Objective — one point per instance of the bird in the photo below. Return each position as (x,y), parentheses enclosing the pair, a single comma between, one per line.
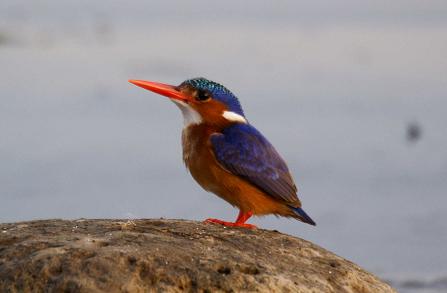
(227,155)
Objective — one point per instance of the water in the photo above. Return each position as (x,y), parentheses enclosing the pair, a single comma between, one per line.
(334,86)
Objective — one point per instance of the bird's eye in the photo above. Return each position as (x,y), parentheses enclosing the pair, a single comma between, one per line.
(203,96)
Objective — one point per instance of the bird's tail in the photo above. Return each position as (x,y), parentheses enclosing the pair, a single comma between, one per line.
(301,214)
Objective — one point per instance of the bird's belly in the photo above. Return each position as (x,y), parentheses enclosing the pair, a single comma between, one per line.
(205,169)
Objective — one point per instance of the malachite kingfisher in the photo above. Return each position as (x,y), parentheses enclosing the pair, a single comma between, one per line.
(227,155)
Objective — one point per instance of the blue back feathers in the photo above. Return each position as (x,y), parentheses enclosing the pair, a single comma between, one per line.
(218,92)
(245,152)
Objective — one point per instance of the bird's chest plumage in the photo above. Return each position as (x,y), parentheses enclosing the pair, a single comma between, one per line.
(198,156)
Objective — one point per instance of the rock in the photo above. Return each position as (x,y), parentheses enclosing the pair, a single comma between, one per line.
(168,255)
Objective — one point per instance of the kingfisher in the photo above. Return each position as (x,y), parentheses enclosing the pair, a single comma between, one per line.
(227,155)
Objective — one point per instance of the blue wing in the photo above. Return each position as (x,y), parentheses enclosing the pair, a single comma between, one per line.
(244,151)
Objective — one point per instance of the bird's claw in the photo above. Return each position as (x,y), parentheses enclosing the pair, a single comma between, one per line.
(230,224)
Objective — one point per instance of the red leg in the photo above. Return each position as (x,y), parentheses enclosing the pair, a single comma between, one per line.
(240,221)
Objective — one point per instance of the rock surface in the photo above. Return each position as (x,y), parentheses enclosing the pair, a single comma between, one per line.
(168,255)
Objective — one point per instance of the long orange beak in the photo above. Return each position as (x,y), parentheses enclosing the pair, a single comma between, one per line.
(167,90)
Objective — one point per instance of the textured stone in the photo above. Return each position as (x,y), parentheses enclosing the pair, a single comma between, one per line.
(168,255)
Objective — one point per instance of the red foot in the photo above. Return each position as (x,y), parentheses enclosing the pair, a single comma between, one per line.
(230,224)
(240,221)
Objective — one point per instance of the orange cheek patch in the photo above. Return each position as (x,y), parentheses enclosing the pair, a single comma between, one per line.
(211,112)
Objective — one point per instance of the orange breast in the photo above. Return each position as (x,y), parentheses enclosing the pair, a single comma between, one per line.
(200,160)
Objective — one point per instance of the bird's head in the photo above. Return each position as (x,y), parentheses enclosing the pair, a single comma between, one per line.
(201,101)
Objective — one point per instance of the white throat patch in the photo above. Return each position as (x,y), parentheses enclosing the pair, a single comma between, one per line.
(232,116)
(190,116)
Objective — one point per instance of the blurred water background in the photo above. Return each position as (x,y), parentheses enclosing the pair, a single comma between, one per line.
(352,93)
